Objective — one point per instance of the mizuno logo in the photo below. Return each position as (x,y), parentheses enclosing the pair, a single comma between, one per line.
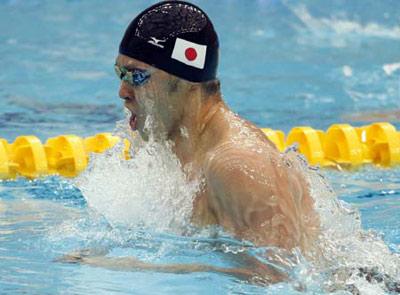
(156,42)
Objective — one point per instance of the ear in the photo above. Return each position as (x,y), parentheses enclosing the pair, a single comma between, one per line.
(187,86)
(194,87)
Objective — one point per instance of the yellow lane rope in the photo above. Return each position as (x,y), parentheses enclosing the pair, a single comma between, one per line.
(342,145)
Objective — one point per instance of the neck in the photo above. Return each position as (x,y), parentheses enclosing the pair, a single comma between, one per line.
(195,132)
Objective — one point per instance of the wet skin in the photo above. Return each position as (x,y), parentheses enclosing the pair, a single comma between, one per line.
(250,188)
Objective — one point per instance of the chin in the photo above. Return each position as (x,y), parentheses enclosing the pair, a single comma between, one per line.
(144,135)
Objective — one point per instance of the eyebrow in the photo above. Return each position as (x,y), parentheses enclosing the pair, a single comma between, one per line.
(130,68)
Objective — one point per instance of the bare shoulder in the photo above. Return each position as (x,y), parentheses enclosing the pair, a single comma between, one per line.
(230,161)
(259,192)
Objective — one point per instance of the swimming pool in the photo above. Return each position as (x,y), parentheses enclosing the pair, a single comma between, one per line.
(283,64)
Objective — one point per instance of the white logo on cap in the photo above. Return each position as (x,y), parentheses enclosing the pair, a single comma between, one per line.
(156,42)
(190,53)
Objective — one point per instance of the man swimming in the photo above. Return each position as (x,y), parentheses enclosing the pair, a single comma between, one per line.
(167,62)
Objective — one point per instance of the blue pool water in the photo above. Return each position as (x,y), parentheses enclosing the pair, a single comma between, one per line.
(282,64)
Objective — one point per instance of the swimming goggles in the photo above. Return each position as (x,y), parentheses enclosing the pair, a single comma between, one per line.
(135,77)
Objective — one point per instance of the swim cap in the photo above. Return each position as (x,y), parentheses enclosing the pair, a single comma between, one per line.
(174,36)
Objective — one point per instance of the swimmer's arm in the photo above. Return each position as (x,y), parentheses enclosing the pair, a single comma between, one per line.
(133,264)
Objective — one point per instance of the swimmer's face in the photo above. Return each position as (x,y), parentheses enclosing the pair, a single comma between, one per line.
(157,105)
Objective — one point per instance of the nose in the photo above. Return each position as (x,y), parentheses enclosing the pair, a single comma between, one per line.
(125,91)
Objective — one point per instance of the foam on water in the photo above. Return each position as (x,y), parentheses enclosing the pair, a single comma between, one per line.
(338,31)
(150,190)
(344,246)
(391,68)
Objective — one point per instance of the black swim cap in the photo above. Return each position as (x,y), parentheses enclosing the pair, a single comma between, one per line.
(174,36)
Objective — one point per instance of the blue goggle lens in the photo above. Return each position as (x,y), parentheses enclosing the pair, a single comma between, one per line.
(136,77)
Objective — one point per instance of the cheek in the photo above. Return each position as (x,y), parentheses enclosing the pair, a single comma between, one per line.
(173,86)
(146,97)
(172,112)
(158,99)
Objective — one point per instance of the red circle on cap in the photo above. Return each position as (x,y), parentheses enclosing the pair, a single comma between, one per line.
(191,53)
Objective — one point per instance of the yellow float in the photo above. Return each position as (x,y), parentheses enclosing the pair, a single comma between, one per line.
(341,145)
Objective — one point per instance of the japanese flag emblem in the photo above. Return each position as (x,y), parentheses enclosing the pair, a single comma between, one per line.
(190,53)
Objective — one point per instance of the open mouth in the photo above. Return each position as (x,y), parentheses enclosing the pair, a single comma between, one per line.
(133,121)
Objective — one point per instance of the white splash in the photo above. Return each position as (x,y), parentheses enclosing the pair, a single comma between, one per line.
(344,245)
(184,132)
(150,190)
(339,32)
(391,68)
(347,71)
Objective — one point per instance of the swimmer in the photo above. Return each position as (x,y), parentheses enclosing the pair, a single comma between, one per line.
(168,62)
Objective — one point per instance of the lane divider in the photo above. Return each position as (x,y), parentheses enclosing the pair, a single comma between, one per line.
(342,145)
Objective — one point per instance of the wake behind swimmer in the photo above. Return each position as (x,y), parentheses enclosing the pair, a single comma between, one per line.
(247,187)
